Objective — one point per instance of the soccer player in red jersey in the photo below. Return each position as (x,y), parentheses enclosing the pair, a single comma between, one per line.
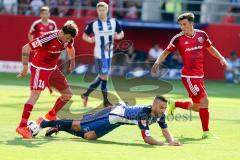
(190,43)
(44,70)
(41,26)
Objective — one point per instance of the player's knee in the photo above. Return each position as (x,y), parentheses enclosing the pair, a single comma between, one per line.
(103,77)
(204,102)
(90,136)
(67,97)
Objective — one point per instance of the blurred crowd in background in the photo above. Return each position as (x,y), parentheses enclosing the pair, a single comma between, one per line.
(146,10)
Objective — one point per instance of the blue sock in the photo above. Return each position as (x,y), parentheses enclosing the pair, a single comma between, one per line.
(104,89)
(62,125)
(93,86)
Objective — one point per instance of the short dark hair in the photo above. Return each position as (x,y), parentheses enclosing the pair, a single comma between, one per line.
(161,98)
(189,16)
(44,8)
(71,28)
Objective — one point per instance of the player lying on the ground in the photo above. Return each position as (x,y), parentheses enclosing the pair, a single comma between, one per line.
(93,126)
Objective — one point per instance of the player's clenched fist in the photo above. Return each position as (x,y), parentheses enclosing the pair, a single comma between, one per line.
(23,73)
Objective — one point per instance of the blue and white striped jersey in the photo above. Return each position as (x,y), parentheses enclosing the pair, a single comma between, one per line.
(104,36)
(139,115)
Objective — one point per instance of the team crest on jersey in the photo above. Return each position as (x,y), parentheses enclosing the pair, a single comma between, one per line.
(200,39)
(144,123)
(186,42)
(50,27)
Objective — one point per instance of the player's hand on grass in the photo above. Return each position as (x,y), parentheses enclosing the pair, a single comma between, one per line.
(175,143)
(23,73)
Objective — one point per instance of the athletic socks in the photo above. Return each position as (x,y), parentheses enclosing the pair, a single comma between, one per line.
(62,125)
(104,90)
(93,86)
(57,106)
(25,115)
(204,116)
(183,105)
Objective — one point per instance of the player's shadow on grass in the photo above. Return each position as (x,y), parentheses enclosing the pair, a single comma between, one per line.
(189,140)
(119,143)
(29,143)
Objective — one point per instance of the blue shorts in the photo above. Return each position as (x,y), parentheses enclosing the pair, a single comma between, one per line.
(103,66)
(98,122)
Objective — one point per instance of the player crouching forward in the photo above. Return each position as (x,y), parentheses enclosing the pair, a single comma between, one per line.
(94,126)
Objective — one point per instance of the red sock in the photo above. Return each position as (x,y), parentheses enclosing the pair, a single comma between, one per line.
(58,105)
(25,115)
(204,116)
(183,105)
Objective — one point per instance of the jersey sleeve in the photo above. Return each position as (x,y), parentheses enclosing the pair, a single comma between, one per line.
(118,27)
(144,127)
(32,28)
(40,41)
(172,46)
(35,44)
(207,43)
(89,29)
(162,122)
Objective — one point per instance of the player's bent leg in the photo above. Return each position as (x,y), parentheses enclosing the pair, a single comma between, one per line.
(104,89)
(90,135)
(90,89)
(28,106)
(66,95)
(204,116)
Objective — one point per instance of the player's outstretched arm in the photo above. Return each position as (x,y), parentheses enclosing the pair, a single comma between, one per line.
(218,55)
(159,61)
(150,140)
(71,56)
(87,38)
(25,57)
(169,137)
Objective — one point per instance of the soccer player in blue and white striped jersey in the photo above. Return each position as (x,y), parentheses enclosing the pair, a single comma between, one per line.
(96,125)
(104,31)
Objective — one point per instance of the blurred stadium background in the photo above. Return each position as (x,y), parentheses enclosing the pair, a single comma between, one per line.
(147,24)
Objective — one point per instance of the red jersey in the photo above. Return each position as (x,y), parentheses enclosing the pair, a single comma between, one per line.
(38,28)
(47,50)
(191,51)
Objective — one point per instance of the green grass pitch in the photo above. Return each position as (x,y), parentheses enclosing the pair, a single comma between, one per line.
(124,142)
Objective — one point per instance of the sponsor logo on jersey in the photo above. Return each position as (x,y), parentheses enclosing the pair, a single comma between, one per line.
(144,123)
(35,44)
(193,48)
(186,42)
(200,39)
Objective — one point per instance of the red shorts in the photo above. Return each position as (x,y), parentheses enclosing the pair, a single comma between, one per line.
(195,87)
(41,78)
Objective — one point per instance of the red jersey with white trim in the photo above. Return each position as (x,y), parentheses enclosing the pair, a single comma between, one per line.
(191,51)
(47,50)
(38,28)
